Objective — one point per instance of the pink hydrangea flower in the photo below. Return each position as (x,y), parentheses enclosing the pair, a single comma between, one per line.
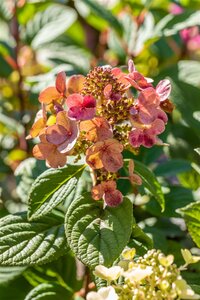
(147,107)
(81,107)
(147,135)
(108,191)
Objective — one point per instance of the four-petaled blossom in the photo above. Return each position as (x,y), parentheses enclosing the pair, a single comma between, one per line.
(54,94)
(108,191)
(188,257)
(138,273)
(81,107)
(105,154)
(63,134)
(184,290)
(105,293)
(108,274)
(147,135)
(97,129)
(49,152)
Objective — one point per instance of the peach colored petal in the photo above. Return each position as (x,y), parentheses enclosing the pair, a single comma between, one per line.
(42,151)
(48,95)
(97,192)
(63,120)
(56,159)
(97,129)
(94,161)
(75,84)
(37,127)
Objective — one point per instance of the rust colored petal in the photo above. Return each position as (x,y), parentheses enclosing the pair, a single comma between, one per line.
(112,162)
(97,129)
(61,82)
(56,159)
(114,146)
(113,198)
(56,134)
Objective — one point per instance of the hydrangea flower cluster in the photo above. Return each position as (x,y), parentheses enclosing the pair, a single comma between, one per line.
(153,276)
(101,115)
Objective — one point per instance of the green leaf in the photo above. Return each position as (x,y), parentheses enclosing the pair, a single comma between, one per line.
(140,240)
(48,291)
(172,167)
(16,289)
(197,150)
(150,181)
(181,92)
(28,243)
(97,235)
(177,197)
(171,24)
(8,274)
(191,214)
(27,171)
(51,188)
(49,24)
(105,14)
(189,72)
(196,288)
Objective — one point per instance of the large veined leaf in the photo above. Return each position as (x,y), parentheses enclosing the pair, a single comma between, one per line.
(191,214)
(181,92)
(49,24)
(98,235)
(150,181)
(172,167)
(10,273)
(28,243)
(177,197)
(48,291)
(197,150)
(140,240)
(171,24)
(25,174)
(189,72)
(51,188)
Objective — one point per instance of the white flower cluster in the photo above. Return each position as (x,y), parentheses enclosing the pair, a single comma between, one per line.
(151,277)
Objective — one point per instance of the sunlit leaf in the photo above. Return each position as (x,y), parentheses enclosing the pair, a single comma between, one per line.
(191,214)
(23,243)
(97,235)
(51,188)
